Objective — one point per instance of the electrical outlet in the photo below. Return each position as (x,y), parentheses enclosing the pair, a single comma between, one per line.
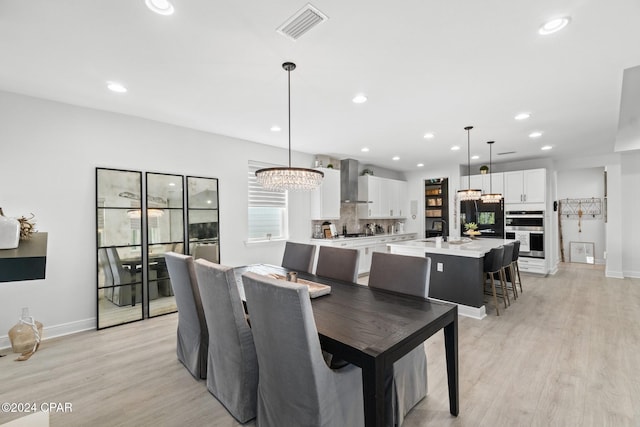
(440,267)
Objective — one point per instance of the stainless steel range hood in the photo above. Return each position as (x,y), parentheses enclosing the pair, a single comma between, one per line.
(349,181)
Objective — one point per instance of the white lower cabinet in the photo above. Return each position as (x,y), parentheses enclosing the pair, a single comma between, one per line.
(532,265)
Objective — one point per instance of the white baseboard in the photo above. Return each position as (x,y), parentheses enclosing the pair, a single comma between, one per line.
(614,274)
(57,330)
(478,313)
(632,274)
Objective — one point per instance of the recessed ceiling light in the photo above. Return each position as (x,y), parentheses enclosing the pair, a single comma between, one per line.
(420,165)
(161,7)
(359,99)
(476,157)
(364,149)
(455,148)
(546,147)
(522,116)
(395,158)
(116,87)
(429,135)
(209,201)
(275,129)
(554,25)
(535,134)
(172,184)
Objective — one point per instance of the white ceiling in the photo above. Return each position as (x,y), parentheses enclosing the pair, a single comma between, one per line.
(428,66)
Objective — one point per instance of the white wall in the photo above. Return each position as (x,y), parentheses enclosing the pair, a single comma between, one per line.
(48,155)
(579,184)
(630,182)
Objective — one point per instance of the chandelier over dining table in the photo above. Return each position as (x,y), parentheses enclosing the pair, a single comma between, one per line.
(289,178)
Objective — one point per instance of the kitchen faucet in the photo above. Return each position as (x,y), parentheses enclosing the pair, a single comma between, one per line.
(445,229)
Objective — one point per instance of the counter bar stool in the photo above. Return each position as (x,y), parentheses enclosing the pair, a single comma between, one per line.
(507,259)
(515,267)
(493,265)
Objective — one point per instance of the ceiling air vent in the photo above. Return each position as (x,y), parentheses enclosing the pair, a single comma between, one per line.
(506,152)
(301,22)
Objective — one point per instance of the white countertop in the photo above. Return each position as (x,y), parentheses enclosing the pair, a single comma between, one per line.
(476,248)
(363,238)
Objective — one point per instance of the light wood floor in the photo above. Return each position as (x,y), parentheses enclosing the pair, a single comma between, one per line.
(567,353)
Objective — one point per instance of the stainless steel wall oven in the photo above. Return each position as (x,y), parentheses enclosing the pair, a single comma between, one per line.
(528,227)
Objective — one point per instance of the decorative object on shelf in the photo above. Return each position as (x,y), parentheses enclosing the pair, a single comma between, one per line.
(27,227)
(330,166)
(9,232)
(491,197)
(484,169)
(471,229)
(366,171)
(25,336)
(469,193)
(281,178)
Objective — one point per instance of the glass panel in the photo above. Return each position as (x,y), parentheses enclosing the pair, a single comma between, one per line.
(119,251)
(167,227)
(202,213)
(120,227)
(165,232)
(203,225)
(202,193)
(119,189)
(112,309)
(164,191)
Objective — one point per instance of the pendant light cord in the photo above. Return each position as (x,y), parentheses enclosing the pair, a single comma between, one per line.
(289,102)
(469,157)
(490,166)
(468,129)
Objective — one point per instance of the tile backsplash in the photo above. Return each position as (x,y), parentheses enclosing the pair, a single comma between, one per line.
(349,218)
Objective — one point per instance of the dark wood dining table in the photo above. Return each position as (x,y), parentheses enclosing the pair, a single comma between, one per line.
(373,328)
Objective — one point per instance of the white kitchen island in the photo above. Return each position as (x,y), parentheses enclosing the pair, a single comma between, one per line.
(456,270)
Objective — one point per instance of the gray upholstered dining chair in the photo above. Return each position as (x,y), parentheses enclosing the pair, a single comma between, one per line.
(295,386)
(338,263)
(124,292)
(408,275)
(299,256)
(193,336)
(103,263)
(208,252)
(232,366)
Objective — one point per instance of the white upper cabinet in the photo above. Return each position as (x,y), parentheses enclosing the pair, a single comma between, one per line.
(388,198)
(399,199)
(369,190)
(527,186)
(325,200)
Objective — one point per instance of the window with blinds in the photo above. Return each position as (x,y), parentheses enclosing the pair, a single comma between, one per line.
(267,209)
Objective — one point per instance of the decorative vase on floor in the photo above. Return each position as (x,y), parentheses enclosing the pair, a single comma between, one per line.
(9,232)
